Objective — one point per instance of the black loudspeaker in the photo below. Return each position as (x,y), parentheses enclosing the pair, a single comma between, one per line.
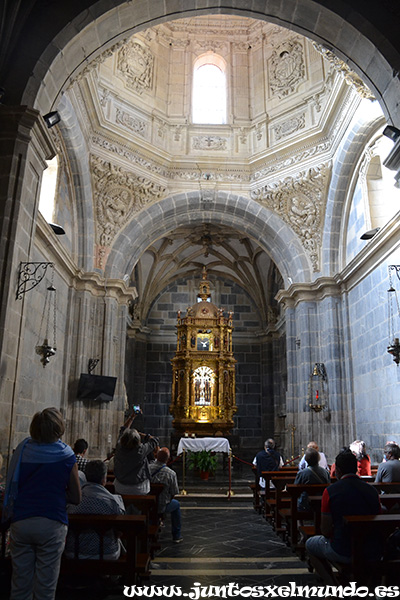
(99,388)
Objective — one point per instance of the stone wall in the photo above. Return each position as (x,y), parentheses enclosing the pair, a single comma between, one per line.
(255,389)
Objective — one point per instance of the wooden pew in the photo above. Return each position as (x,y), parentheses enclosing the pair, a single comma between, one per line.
(132,566)
(292,515)
(258,492)
(148,506)
(270,492)
(282,501)
(155,489)
(387,487)
(373,527)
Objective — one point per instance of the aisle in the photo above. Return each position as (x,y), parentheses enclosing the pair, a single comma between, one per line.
(226,544)
(223,543)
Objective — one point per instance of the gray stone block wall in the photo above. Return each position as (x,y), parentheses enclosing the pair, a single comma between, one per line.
(376,376)
(149,362)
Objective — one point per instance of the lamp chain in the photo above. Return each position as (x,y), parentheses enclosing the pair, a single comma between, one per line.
(46,313)
(391,310)
(55,319)
(42,319)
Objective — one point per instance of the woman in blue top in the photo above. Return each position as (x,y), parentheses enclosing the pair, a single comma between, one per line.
(42,476)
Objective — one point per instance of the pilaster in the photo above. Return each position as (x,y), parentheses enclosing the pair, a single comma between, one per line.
(24,146)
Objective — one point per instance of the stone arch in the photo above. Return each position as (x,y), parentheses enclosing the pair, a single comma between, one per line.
(358,34)
(347,157)
(254,220)
(78,156)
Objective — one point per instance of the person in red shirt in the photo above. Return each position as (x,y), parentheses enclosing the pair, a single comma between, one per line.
(350,495)
(363,460)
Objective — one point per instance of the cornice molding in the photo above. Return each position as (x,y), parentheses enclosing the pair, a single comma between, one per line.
(323,287)
(377,251)
(97,285)
(74,277)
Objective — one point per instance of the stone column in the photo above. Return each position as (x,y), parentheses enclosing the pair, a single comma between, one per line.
(24,146)
(99,331)
(316,334)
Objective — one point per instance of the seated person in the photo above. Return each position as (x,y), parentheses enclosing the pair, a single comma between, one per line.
(350,495)
(95,500)
(314,473)
(322,458)
(267,460)
(359,450)
(80,449)
(333,466)
(387,443)
(390,469)
(160,473)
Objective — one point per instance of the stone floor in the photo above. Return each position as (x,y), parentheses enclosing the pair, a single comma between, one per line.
(224,542)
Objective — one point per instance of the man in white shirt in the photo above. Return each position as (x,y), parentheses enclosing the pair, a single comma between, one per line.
(322,461)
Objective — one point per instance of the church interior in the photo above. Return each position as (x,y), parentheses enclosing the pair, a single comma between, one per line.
(273,199)
(200,221)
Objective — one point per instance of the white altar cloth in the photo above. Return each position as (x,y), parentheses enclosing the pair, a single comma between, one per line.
(206,443)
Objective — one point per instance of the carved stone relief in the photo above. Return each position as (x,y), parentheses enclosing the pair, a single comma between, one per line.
(341,67)
(289,127)
(237,175)
(118,195)
(286,68)
(96,62)
(130,122)
(104,96)
(300,202)
(136,64)
(243,135)
(207,199)
(210,46)
(326,145)
(209,142)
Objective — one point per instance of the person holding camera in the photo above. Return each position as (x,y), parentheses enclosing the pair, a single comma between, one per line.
(131,466)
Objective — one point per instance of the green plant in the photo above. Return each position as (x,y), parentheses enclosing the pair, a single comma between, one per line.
(203,460)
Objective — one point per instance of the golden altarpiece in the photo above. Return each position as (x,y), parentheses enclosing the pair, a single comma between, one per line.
(203,369)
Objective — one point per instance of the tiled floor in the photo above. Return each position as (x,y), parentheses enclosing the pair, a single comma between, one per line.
(225,542)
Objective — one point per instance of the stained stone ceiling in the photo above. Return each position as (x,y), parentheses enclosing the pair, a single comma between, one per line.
(287,103)
(227,255)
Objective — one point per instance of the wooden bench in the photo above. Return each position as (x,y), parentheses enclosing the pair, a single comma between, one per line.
(258,492)
(375,527)
(147,505)
(132,565)
(387,487)
(280,501)
(269,508)
(155,489)
(293,515)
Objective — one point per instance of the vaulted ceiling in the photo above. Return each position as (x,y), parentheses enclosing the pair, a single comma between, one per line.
(133,105)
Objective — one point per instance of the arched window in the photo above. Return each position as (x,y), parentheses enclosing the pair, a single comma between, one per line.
(209,90)
(383,196)
(375,199)
(48,190)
